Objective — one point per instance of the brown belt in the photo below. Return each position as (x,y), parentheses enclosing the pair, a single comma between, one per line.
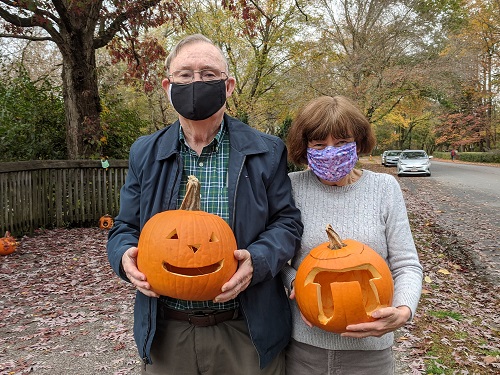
(199,318)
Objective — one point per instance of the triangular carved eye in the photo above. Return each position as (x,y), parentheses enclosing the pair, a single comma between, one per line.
(173,235)
(194,248)
(213,238)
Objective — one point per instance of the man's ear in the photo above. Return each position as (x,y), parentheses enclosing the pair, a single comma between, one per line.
(230,84)
(165,83)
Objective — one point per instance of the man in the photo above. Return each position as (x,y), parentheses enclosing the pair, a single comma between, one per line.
(244,180)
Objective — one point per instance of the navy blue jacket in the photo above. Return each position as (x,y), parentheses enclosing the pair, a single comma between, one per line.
(262,215)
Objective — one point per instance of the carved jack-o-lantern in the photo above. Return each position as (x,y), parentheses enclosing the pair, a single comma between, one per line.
(341,283)
(8,244)
(106,222)
(187,253)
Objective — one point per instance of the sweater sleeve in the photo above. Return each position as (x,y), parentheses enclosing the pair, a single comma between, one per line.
(402,254)
(288,274)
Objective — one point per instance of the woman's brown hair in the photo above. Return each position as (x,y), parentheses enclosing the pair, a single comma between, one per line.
(336,116)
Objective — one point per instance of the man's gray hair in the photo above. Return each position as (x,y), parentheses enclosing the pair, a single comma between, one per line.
(190,39)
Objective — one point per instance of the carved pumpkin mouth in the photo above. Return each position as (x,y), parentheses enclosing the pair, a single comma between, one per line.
(330,283)
(319,275)
(198,271)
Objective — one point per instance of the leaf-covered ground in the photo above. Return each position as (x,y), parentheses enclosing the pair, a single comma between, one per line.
(63,311)
(457,326)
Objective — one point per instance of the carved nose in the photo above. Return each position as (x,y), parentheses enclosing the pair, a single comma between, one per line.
(194,248)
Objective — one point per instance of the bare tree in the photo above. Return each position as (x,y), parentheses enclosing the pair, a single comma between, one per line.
(369,50)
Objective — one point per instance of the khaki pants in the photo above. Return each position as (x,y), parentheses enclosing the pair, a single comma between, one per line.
(303,359)
(180,348)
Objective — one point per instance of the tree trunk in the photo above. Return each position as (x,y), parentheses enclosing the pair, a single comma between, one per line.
(81,99)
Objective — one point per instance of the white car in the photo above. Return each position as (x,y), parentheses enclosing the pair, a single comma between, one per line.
(414,162)
(391,158)
(382,157)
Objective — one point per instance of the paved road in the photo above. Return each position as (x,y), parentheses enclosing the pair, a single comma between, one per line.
(482,182)
(466,201)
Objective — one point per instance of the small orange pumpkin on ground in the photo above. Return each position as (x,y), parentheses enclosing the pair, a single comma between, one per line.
(187,253)
(8,244)
(106,222)
(341,283)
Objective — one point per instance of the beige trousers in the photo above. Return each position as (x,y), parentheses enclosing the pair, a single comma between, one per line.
(180,348)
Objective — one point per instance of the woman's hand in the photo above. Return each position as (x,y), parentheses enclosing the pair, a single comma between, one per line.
(388,319)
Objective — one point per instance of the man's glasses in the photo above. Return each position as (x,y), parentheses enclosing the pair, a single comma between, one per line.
(186,76)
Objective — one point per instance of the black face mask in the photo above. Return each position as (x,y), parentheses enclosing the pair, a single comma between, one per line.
(198,100)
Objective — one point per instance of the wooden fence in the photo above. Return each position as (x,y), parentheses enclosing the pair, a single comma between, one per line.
(56,193)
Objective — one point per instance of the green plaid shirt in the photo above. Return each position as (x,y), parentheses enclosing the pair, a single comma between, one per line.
(211,169)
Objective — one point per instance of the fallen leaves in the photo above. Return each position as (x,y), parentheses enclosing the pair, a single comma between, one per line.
(64,310)
(444,271)
(456,329)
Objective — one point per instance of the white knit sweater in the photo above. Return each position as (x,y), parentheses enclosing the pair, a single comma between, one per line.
(372,211)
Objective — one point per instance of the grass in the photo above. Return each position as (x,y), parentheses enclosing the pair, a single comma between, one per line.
(446,314)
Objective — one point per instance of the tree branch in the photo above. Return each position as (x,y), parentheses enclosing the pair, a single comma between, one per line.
(104,38)
(300,9)
(27,37)
(16,20)
(261,10)
(62,11)
(40,18)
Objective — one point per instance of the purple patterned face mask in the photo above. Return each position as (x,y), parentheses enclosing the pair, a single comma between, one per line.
(332,163)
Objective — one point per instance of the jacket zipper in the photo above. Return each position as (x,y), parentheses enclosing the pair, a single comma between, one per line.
(145,358)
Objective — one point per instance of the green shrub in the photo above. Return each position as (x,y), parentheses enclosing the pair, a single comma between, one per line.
(31,118)
(476,157)
(480,157)
(121,127)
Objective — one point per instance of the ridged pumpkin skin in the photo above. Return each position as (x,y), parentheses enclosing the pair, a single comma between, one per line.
(8,244)
(187,254)
(338,287)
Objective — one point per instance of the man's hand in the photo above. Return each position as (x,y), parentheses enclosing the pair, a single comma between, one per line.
(388,319)
(136,277)
(240,280)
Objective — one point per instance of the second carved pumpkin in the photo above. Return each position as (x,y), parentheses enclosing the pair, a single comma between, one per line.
(341,283)
(187,253)
(106,222)
(8,244)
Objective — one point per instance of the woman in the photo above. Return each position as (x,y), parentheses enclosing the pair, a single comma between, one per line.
(327,136)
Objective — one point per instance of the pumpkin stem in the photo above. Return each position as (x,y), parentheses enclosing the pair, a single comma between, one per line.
(335,240)
(191,201)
